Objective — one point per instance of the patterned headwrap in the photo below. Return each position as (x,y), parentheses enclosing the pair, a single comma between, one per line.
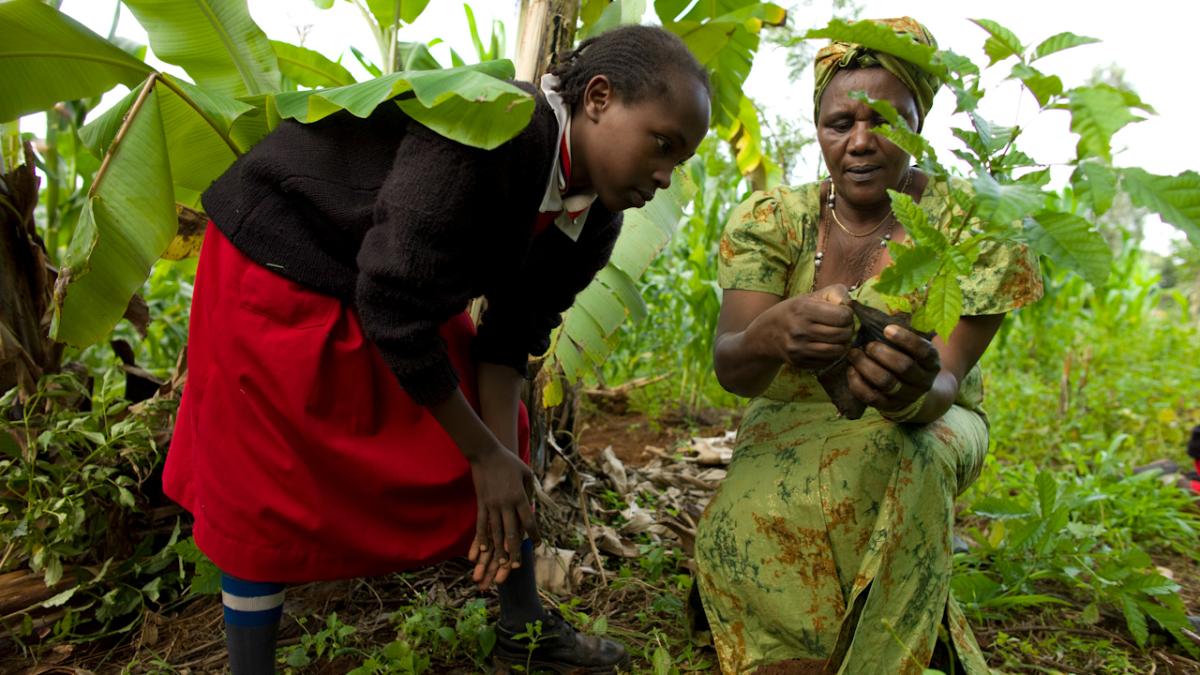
(839,55)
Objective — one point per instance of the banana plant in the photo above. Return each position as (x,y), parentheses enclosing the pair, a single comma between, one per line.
(170,137)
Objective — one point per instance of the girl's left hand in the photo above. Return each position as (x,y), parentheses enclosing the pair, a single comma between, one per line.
(890,376)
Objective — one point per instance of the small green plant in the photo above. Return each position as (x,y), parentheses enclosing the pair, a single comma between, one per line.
(330,642)
(532,633)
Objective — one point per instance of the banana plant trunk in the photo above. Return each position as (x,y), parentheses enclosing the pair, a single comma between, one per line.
(25,283)
(546,28)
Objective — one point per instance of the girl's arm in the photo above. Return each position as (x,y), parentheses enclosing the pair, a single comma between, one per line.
(503,485)
(499,393)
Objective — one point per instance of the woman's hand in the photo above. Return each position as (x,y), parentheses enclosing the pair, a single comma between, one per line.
(503,490)
(891,376)
(810,331)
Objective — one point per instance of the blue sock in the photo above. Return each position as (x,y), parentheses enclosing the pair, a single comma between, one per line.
(252,613)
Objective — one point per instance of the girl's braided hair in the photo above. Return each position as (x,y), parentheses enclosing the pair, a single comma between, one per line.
(639,61)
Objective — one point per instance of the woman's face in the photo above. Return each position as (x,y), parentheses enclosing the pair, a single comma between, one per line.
(862,164)
(627,151)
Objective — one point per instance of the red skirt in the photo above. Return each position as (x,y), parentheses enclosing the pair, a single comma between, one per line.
(296,449)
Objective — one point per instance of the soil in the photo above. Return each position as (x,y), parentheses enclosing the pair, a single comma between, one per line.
(634,437)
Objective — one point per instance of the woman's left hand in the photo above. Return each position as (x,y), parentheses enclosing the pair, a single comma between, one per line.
(890,376)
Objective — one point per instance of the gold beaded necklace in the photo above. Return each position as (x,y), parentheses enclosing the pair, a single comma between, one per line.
(883,240)
(833,207)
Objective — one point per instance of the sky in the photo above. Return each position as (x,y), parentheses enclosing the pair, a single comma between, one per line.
(1149,39)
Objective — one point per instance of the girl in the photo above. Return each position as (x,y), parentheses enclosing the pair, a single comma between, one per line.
(341,417)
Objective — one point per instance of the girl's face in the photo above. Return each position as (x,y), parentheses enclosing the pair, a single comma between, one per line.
(627,151)
(863,165)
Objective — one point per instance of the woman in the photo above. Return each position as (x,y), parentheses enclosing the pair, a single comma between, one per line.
(827,547)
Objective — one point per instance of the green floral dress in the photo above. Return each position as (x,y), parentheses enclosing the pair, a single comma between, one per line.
(827,546)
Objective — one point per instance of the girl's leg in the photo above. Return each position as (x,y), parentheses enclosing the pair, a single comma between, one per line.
(559,647)
(519,601)
(252,613)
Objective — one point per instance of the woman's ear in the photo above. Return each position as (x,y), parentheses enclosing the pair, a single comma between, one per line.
(597,96)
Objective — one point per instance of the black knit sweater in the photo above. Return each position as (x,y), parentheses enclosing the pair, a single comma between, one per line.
(407,227)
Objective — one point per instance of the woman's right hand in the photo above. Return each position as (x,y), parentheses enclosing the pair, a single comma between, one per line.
(503,490)
(810,331)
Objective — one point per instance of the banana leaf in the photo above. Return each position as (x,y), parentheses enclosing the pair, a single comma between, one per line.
(215,41)
(127,223)
(469,104)
(585,338)
(47,57)
(162,145)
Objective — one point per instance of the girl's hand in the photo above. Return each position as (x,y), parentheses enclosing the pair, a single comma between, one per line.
(810,331)
(891,375)
(503,489)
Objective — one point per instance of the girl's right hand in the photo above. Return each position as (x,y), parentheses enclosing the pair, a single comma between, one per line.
(503,490)
(810,331)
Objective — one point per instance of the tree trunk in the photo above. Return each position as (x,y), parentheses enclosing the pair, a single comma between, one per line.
(25,283)
(547,28)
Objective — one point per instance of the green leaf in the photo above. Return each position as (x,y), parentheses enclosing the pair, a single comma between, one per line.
(1175,198)
(604,308)
(999,508)
(1072,242)
(193,119)
(1059,42)
(61,599)
(471,105)
(600,309)
(1002,43)
(726,50)
(943,305)
(473,108)
(1135,620)
(916,222)
(617,13)
(882,38)
(1096,184)
(1005,203)
(1098,112)
(911,268)
(323,4)
(1042,86)
(897,130)
(125,226)
(215,41)
(590,11)
(308,68)
(386,12)
(47,57)
(411,9)
(1047,492)
(567,356)
(625,289)
(416,56)
(992,137)
(1151,584)
(644,234)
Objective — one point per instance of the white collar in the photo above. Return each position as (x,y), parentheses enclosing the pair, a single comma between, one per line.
(553,200)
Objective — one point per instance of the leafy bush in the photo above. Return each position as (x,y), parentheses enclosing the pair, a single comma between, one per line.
(79,469)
